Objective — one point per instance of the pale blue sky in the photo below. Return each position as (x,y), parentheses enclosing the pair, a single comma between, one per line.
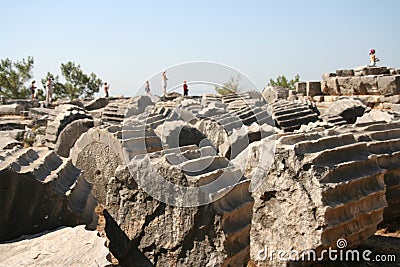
(127,42)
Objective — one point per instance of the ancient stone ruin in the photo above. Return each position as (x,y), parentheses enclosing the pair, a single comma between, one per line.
(284,170)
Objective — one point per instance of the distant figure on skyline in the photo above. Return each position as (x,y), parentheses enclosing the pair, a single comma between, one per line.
(106,87)
(185,89)
(49,91)
(147,88)
(33,88)
(372,58)
(164,81)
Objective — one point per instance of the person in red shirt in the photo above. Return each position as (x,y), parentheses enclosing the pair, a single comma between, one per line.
(185,88)
(106,87)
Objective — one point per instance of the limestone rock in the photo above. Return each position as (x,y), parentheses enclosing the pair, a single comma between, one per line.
(41,192)
(368,70)
(330,189)
(375,116)
(289,116)
(344,73)
(273,93)
(349,109)
(97,103)
(70,134)
(389,85)
(313,88)
(11,109)
(7,142)
(178,133)
(63,115)
(61,247)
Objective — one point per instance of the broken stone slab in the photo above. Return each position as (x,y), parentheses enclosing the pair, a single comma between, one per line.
(313,88)
(179,133)
(70,134)
(213,234)
(241,138)
(344,73)
(121,246)
(97,103)
(331,189)
(351,86)
(98,152)
(64,246)
(211,111)
(375,115)
(301,87)
(42,191)
(273,93)
(138,105)
(7,142)
(349,109)
(368,70)
(11,109)
(330,86)
(389,85)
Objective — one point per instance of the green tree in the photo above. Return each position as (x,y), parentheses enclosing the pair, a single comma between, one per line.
(230,87)
(282,81)
(77,83)
(13,77)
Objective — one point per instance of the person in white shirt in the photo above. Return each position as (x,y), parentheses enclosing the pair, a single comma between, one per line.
(49,91)
(147,88)
(164,79)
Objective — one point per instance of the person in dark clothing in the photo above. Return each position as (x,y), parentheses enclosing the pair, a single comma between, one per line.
(33,88)
(185,88)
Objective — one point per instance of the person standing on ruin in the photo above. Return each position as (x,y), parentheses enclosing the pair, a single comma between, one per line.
(164,80)
(49,92)
(33,88)
(106,88)
(185,89)
(372,58)
(147,88)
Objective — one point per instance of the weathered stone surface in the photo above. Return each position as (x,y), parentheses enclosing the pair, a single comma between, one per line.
(62,247)
(273,93)
(367,70)
(344,73)
(375,116)
(70,134)
(11,109)
(313,88)
(301,87)
(41,192)
(351,86)
(97,103)
(349,109)
(178,133)
(289,116)
(98,152)
(330,86)
(63,115)
(241,138)
(330,189)
(121,246)
(389,85)
(7,142)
